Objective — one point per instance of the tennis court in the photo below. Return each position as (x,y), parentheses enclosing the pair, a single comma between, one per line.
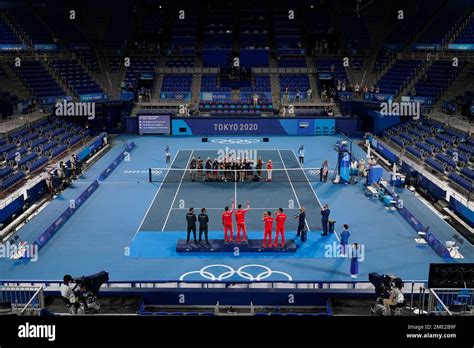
(132,225)
(289,189)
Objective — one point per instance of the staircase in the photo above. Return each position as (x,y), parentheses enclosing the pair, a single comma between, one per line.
(419,74)
(458,28)
(155,97)
(235,95)
(195,88)
(12,83)
(275,86)
(58,80)
(312,79)
(432,18)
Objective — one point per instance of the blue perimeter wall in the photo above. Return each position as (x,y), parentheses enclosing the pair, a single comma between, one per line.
(464,212)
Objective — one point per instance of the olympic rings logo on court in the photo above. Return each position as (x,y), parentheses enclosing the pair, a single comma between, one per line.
(314,172)
(241,272)
(156,172)
(235,141)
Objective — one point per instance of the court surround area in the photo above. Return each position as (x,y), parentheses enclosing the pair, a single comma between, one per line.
(131,226)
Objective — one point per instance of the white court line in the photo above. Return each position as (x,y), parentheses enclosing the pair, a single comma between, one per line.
(222,208)
(176,194)
(302,169)
(156,194)
(112,182)
(292,187)
(312,188)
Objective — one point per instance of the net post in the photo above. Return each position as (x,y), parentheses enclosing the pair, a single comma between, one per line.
(149,174)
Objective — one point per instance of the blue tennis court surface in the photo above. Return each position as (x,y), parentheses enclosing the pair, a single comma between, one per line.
(130,226)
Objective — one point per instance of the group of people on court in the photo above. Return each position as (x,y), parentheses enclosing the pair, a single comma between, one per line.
(228,225)
(230,169)
(277,220)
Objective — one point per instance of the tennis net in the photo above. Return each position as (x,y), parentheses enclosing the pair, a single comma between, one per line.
(252,175)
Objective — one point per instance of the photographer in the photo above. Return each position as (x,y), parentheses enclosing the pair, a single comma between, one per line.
(396,296)
(67,293)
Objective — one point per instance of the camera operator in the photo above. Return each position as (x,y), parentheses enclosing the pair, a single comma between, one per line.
(75,166)
(67,293)
(396,295)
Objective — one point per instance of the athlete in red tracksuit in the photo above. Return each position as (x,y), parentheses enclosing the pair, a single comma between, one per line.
(280,227)
(268,227)
(240,219)
(227,222)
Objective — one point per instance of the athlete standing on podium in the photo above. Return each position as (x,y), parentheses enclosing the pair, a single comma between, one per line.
(240,219)
(267,231)
(280,218)
(227,222)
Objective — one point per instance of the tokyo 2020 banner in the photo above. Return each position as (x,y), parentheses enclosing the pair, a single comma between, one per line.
(262,126)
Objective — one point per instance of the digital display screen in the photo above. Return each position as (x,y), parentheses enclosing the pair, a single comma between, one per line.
(154,124)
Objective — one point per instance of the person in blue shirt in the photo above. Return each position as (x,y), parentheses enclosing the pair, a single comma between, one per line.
(345,234)
(325,218)
(354,251)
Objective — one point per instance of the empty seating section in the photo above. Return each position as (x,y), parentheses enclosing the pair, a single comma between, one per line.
(357,63)
(292,62)
(355,31)
(28,150)
(415,17)
(437,79)
(7,36)
(332,65)
(448,152)
(253,29)
(176,86)
(466,36)
(117,32)
(233,108)
(10,100)
(183,33)
(440,29)
(210,83)
(114,63)
(288,33)
(218,29)
(138,65)
(89,58)
(260,86)
(398,76)
(32,28)
(382,59)
(66,29)
(75,77)
(295,83)
(151,23)
(179,61)
(38,80)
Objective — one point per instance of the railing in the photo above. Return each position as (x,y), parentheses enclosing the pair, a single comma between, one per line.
(25,300)
(449,302)
(52,285)
(16,121)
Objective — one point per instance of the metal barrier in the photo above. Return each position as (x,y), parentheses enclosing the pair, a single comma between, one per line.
(449,302)
(51,285)
(25,300)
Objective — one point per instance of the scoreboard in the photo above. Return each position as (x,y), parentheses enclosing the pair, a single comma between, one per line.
(154,124)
